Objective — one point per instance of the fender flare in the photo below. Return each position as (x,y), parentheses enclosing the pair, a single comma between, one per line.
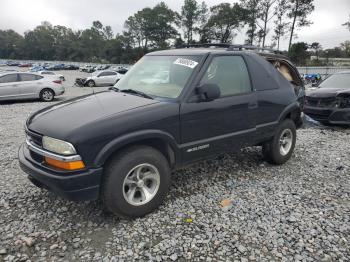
(290,108)
(133,137)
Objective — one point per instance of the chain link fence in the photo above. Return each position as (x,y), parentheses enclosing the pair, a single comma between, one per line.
(324,71)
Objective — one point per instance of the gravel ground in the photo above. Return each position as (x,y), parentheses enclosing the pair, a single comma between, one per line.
(236,207)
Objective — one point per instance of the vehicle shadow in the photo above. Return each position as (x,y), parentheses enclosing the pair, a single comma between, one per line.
(187,181)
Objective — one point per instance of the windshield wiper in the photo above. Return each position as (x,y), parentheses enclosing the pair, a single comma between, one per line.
(114,88)
(136,92)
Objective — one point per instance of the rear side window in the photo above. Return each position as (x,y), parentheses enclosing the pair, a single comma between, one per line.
(9,78)
(230,74)
(47,73)
(107,74)
(28,77)
(38,77)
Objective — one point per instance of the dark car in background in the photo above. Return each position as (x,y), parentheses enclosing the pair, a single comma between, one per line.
(329,103)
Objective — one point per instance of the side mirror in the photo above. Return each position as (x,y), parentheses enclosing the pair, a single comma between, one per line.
(208,92)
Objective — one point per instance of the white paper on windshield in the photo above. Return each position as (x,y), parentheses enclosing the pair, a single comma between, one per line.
(186,62)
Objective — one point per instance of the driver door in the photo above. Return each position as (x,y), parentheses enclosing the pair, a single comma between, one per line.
(9,87)
(227,123)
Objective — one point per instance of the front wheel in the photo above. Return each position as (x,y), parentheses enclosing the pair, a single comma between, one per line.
(280,148)
(135,181)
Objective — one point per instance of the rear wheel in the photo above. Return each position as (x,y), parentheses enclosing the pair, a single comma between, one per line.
(47,95)
(91,83)
(135,182)
(280,148)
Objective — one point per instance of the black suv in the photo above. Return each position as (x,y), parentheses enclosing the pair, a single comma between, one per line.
(172,108)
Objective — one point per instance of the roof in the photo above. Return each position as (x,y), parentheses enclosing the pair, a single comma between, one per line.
(202,49)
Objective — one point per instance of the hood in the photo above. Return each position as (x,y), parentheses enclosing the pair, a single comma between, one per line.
(60,119)
(326,92)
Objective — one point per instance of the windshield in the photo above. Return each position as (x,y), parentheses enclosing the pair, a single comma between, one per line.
(160,76)
(337,81)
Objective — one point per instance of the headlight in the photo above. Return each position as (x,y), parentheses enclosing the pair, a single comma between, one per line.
(344,102)
(58,146)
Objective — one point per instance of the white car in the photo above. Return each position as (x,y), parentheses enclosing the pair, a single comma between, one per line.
(53,74)
(103,78)
(21,85)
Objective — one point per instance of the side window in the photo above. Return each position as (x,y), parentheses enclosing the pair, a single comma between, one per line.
(9,78)
(38,77)
(230,74)
(103,74)
(27,77)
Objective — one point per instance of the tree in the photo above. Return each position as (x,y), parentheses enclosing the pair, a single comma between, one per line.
(251,15)
(281,25)
(223,21)
(190,16)
(11,44)
(316,47)
(346,48)
(203,30)
(347,24)
(298,12)
(266,14)
(152,26)
(298,53)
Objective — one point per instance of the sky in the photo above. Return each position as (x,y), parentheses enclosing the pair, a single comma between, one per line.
(23,15)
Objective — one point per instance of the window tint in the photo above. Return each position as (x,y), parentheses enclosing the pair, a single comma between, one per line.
(107,74)
(8,78)
(230,74)
(27,77)
(38,77)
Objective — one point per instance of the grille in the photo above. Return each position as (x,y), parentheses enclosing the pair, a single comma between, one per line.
(321,102)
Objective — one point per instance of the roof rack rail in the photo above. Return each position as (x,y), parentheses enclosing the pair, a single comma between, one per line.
(252,47)
(206,45)
(232,47)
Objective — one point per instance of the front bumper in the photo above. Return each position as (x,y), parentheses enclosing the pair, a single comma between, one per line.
(77,186)
(339,116)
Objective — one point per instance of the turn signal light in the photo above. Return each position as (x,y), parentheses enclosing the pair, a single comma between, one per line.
(75,165)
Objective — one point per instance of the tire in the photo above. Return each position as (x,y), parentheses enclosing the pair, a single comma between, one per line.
(90,83)
(280,148)
(47,95)
(123,194)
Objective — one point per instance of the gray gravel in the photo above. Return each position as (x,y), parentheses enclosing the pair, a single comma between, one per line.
(299,211)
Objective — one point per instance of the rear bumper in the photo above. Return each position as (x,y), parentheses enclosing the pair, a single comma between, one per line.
(77,186)
(330,115)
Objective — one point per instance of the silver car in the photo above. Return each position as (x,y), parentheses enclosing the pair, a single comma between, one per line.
(53,74)
(18,85)
(103,78)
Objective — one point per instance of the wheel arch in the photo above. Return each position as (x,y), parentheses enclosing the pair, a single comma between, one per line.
(162,141)
(293,112)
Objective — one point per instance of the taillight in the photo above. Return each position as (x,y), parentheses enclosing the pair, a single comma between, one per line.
(57,81)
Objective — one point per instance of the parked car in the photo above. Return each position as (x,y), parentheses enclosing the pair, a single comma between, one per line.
(122,71)
(121,145)
(25,65)
(88,69)
(37,68)
(59,76)
(21,85)
(71,67)
(330,102)
(56,67)
(11,63)
(103,78)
